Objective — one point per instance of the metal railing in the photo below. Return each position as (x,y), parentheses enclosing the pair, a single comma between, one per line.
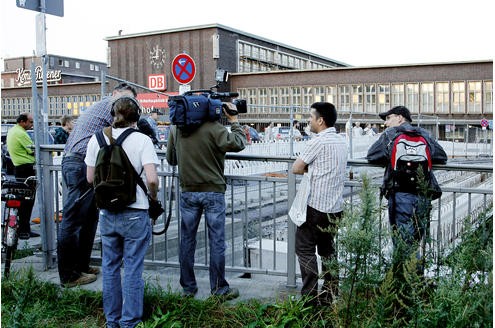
(259,235)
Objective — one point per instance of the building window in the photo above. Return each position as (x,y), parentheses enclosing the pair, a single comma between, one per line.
(332,95)
(263,100)
(273,94)
(412,97)
(357,98)
(427,98)
(474,97)
(383,97)
(370,98)
(91,67)
(252,99)
(307,97)
(319,94)
(295,97)
(345,98)
(66,63)
(284,99)
(60,62)
(442,97)
(397,95)
(78,65)
(488,97)
(458,98)
(97,68)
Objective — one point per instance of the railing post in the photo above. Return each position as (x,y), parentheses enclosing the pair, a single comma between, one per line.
(48,240)
(291,231)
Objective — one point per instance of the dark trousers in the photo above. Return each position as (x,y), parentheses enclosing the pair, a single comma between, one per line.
(22,172)
(79,221)
(309,238)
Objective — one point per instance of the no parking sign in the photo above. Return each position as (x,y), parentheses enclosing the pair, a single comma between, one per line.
(183,68)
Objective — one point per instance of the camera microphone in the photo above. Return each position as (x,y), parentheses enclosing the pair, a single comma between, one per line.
(218,95)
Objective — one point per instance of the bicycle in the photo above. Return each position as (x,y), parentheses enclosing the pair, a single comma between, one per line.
(13,193)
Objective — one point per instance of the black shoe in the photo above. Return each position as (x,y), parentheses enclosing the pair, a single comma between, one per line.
(27,235)
(229,295)
(188,293)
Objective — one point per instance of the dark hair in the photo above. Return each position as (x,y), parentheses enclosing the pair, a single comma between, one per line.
(124,86)
(126,111)
(65,119)
(327,111)
(23,117)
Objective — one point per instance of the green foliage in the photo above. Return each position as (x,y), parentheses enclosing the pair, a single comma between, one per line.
(373,293)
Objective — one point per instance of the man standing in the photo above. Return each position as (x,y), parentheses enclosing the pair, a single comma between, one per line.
(125,233)
(408,210)
(200,155)
(20,147)
(325,156)
(80,216)
(153,119)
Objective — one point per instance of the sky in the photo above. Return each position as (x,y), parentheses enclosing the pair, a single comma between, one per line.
(356,32)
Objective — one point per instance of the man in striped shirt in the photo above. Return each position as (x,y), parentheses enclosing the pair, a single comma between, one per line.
(80,217)
(325,156)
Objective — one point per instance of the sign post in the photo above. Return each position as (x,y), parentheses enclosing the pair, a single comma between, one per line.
(54,7)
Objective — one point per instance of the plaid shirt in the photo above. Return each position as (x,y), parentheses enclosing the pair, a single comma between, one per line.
(326,154)
(95,118)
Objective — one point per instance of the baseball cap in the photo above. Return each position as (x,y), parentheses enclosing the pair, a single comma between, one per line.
(397,110)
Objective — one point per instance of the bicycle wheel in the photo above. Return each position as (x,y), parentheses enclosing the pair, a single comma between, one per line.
(9,257)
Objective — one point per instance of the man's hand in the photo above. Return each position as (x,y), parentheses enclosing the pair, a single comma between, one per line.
(231,106)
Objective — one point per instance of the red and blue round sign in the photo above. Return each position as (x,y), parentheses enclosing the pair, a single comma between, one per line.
(183,68)
(484,123)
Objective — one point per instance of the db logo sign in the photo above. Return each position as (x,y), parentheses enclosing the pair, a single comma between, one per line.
(157,82)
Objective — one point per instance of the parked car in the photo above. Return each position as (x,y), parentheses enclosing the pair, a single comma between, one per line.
(281,133)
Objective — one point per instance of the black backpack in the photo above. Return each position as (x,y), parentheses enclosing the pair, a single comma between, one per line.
(115,178)
(410,154)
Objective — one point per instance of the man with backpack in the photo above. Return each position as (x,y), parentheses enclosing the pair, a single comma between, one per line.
(409,184)
(80,216)
(118,159)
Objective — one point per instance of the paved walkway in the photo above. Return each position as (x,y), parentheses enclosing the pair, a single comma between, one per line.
(259,286)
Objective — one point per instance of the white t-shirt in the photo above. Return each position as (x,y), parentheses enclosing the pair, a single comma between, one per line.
(139,150)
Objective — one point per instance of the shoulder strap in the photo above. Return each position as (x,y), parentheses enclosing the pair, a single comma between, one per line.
(119,142)
(101,139)
(124,135)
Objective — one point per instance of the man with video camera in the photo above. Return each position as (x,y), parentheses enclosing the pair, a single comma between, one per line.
(200,156)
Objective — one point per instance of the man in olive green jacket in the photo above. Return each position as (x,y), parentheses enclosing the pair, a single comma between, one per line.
(200,156)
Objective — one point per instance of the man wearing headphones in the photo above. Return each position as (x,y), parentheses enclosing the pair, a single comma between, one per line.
(80,216)
(125,233)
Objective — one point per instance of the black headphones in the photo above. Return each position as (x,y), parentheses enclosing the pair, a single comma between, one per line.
(137,113)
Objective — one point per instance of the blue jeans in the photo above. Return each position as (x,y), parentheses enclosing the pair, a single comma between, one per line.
(192,205)
(77,230)
(409,215)
(125,238)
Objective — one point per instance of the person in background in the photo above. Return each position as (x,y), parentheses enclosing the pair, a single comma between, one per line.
(247,133)
(80,216)
(125,234)
(62,133)
(325,156)
(269,132)
(357,130)
(153,119)
(21,151)
(200,156)
(296,134)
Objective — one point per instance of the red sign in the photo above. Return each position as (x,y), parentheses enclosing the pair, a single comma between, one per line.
(183,68)
(153,100)
(484,123)
(157,82)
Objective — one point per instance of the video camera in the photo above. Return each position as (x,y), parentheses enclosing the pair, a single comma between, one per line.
(198,106)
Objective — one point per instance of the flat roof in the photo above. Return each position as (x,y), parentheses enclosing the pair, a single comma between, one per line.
(219,26)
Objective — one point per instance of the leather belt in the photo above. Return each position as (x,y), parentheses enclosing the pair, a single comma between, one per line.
(76,155)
